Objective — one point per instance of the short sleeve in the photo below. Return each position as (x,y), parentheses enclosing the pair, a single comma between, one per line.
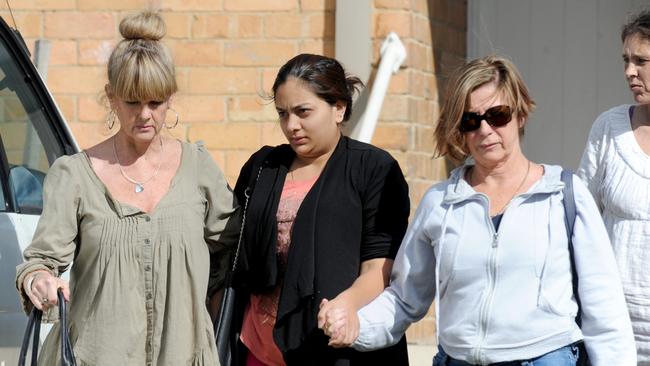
(54,243)
(386,208)
(222,220)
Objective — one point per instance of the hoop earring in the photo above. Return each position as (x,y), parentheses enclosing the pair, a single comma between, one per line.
(110,119)
(175,123)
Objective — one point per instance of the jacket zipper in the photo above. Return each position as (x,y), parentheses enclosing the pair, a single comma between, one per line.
(485,307)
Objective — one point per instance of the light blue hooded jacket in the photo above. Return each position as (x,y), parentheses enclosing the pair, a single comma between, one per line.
(504,295)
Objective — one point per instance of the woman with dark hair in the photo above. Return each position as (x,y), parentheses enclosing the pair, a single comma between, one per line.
(325,218)
(616,167)
(491,241)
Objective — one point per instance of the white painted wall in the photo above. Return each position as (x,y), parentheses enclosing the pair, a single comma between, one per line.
(569,52)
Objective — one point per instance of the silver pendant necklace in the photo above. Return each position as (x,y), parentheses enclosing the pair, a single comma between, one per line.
(139,186)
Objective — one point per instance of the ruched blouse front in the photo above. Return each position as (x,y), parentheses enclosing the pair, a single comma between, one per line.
(139,280)
(617,172)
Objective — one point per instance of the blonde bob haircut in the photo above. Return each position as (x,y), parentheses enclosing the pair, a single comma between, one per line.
(450,141)
(140,67)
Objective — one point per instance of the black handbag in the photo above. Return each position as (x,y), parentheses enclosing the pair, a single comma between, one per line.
(34,330)
(223,325)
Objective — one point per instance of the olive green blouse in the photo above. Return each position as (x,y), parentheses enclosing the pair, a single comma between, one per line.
(139,281)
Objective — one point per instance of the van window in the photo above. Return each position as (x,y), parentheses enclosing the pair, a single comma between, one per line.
(28,142)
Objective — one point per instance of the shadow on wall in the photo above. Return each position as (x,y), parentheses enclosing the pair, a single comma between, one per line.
(448,27)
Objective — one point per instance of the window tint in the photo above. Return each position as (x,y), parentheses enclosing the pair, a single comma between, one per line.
(28,141)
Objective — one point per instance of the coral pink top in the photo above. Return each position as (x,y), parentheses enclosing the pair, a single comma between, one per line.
(259,318)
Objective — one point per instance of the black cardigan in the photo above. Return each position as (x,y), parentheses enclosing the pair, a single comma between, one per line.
(357,210)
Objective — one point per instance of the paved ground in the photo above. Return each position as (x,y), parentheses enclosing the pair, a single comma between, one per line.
(421,354)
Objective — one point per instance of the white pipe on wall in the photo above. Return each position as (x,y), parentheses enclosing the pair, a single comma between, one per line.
(393,53)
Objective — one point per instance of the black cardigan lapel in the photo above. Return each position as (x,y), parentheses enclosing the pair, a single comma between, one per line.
(298,310)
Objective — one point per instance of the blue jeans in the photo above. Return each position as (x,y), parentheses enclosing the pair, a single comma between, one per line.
(565,356)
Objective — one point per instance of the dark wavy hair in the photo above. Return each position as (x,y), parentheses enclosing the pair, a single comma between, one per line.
(640,24)
(325,77)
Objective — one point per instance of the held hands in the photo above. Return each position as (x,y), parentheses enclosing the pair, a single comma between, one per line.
(41,287)
(339,321)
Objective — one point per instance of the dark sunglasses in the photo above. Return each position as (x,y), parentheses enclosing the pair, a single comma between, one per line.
(496,116)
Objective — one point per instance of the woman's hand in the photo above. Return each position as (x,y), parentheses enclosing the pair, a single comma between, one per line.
(41,287)
(338,320)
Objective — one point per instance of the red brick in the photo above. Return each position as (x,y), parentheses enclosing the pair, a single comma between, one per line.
(210,26)
(272,134)
(391,136)
(268,78)
(183,79)
(63,52)
(321,25)
(90,109)
(260,5)
(247,26)
(245,108)
(317,5)
(235,159)
(197,108)
(76,79)
(95,52)
(89,134)
(29,24)
(197,53)
(227,135)
(178,24)
(111,5)
(422,6)
(190,5)
(66,104)
(399,82)
(258,53)
(219,157)
(223,81)
(283,25)
(398,22)
(424,139)
(395,108)
(393,4)
(422,29)
(67,24)
(317,46)
(43,4)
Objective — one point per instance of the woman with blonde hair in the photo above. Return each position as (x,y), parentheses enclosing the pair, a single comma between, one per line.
(139,213)
(492,242)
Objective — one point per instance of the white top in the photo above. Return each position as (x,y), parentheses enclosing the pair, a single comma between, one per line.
(505,294)
(617,172)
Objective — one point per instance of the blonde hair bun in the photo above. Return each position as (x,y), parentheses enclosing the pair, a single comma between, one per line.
(146,25)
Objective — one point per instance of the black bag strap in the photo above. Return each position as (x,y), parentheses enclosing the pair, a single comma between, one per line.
(569,220)
(247,194)
(34,329)
(259,163)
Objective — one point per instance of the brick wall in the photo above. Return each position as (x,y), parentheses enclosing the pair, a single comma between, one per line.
(433,32)
(227,53)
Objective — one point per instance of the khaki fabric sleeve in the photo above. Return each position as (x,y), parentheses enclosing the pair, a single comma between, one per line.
(222,218)
(54,243)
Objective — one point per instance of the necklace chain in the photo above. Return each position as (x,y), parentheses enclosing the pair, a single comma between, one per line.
(139,186)
(516,190)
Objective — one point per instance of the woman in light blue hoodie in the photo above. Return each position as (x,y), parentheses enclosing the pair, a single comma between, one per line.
(492,244)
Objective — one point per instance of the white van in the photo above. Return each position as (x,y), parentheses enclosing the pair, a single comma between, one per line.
(33,133)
